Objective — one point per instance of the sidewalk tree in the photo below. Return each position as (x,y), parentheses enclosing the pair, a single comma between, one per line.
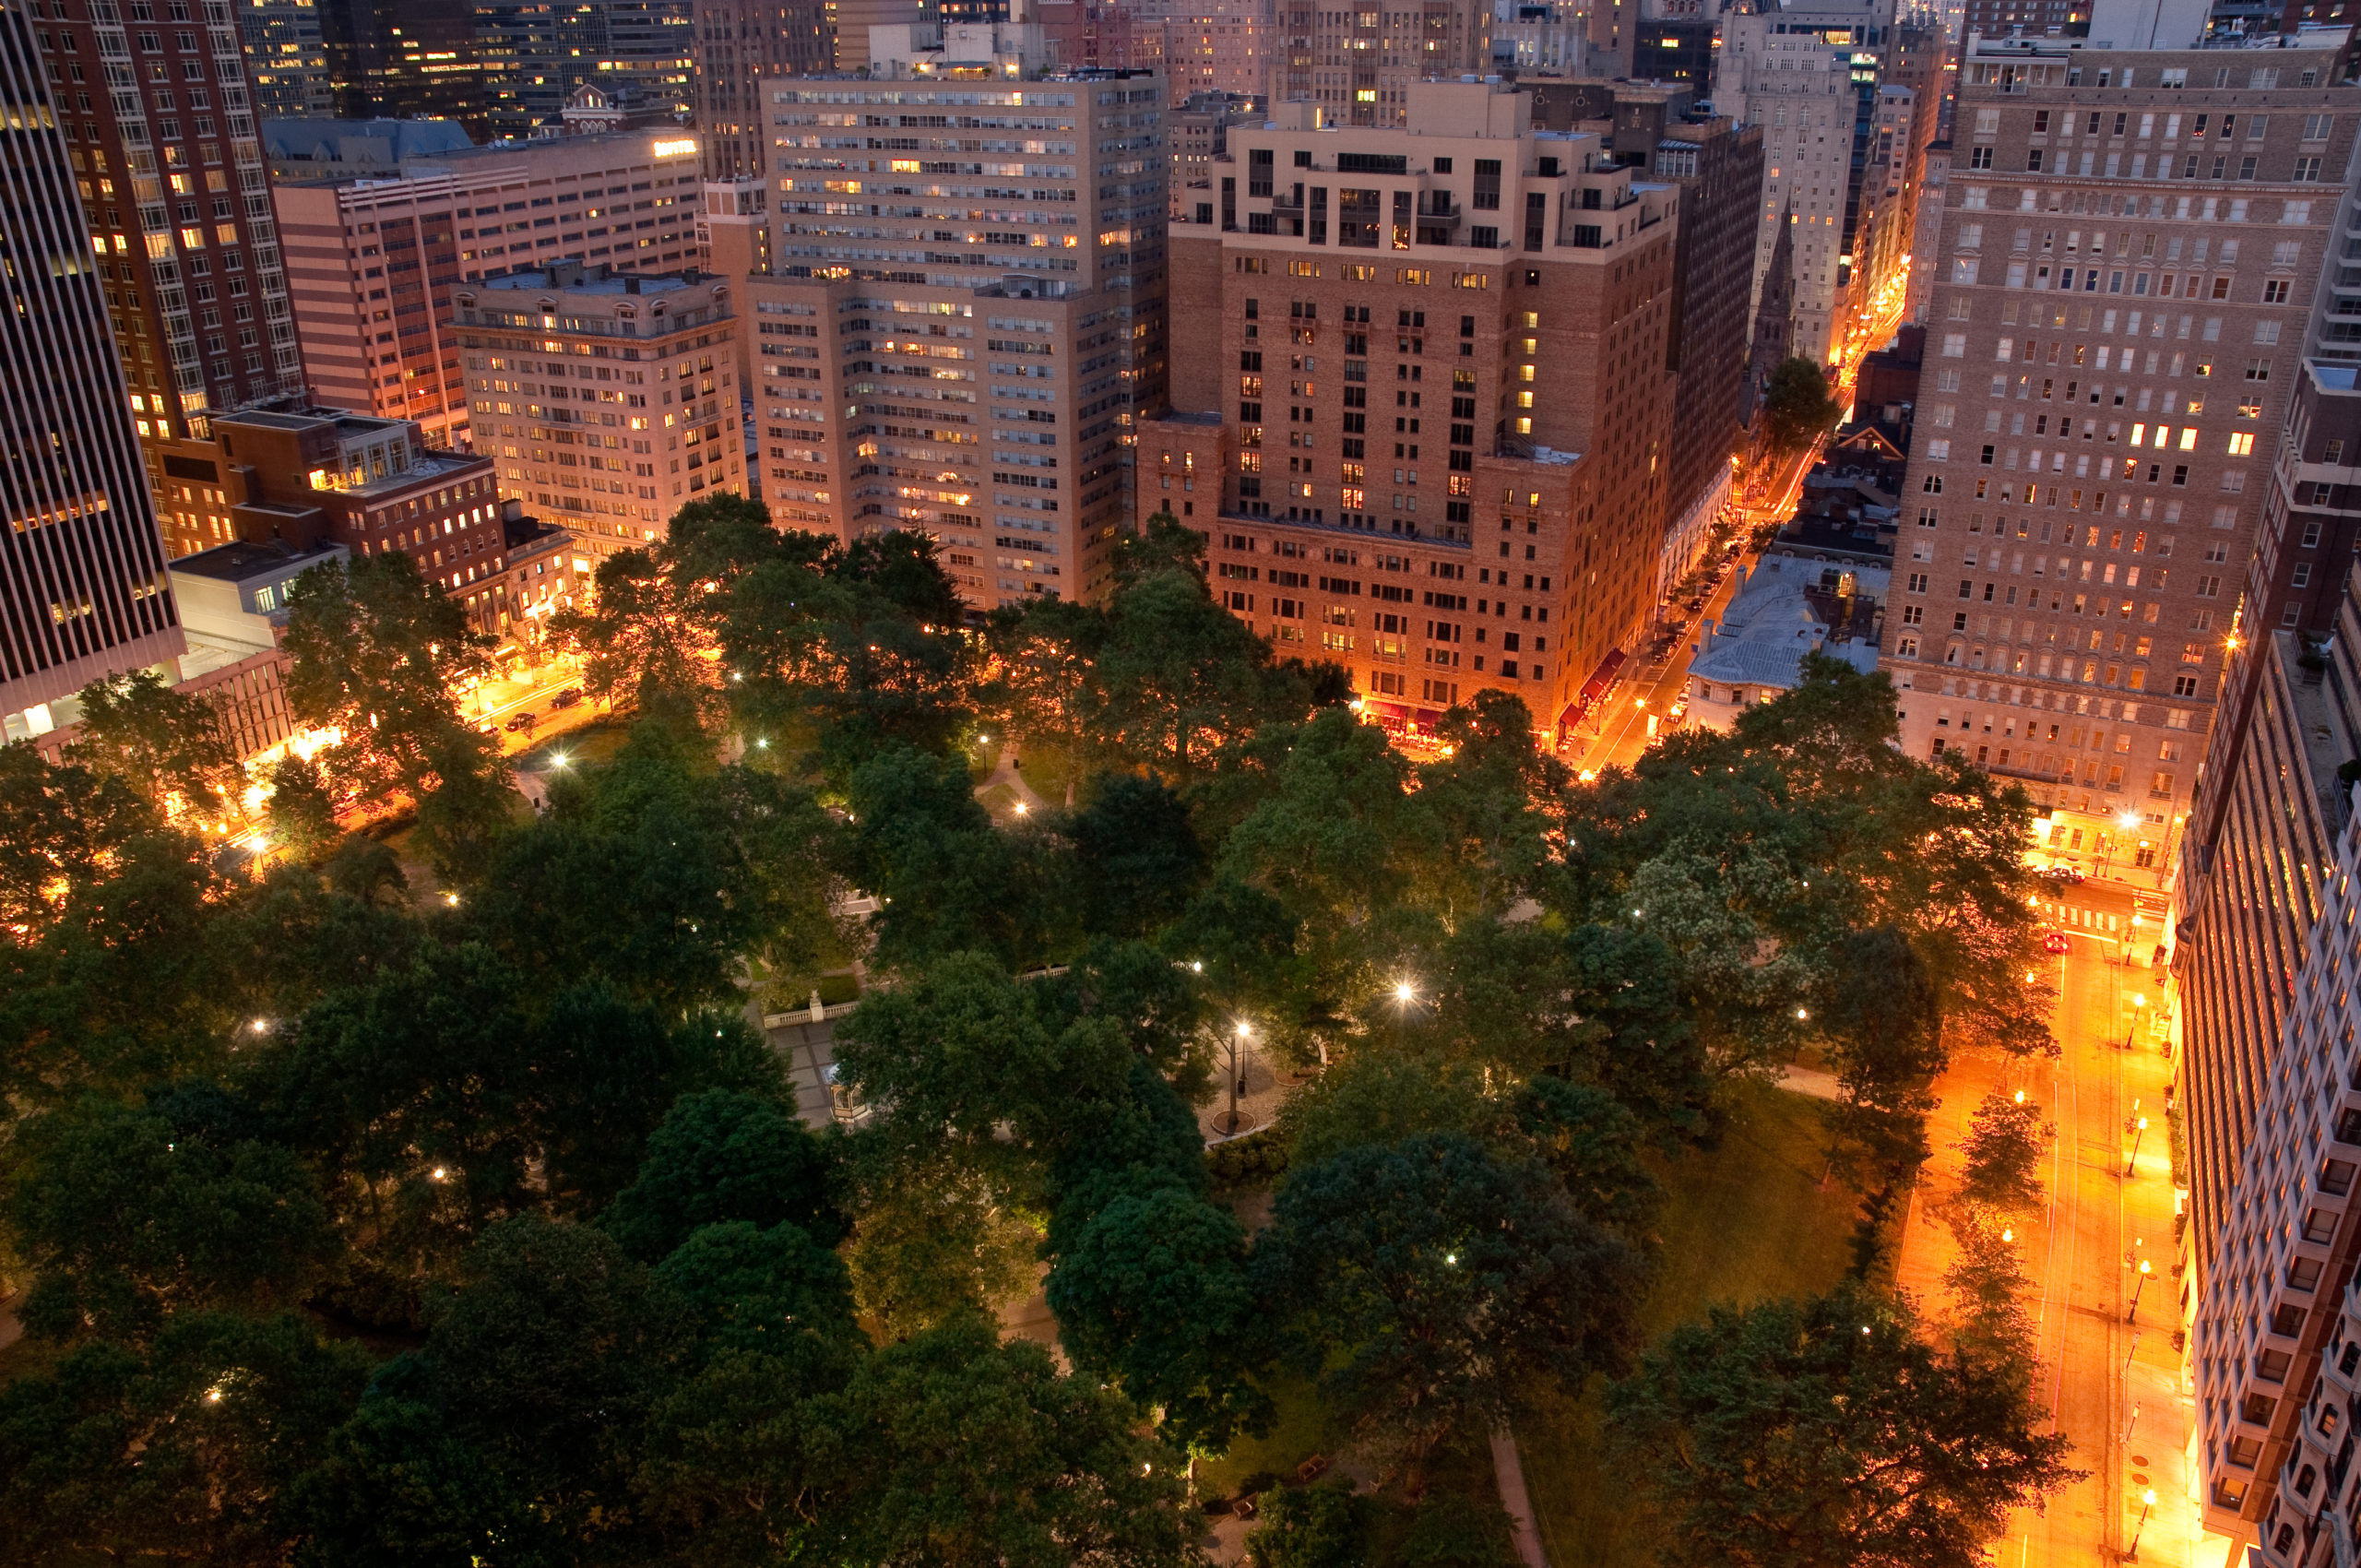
(1326,1525)
(378,654)
(2002,1171)
(1826,1431)
(1432,1282)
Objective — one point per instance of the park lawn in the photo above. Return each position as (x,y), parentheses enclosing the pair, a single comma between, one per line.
(1743,1222)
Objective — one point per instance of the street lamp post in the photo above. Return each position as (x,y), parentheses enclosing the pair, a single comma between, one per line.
(2139,1131)
(2136,1289)
(1236,1043)
(2147,1506)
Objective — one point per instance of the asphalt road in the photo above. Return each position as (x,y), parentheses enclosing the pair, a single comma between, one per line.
(2107,1374)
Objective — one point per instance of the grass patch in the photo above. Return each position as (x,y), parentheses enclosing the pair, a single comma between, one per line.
(588,745)
(1745,1221)
(1049,770)
(1302,1430)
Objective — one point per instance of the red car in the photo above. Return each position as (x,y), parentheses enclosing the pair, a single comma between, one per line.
(2054,943)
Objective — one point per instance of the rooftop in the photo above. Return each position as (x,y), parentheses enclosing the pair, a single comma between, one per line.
(573,278)
(242,560)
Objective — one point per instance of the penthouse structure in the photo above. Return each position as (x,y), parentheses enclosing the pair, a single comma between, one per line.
(83,592)
(1523,281)
(967,308)
(606,401)
(371,261)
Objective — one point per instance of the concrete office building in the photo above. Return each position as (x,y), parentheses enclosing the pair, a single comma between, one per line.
(2270,1083)
(83,593)
(1227,47)
(968,305)
(371,261)
(1523,281)
(607,400)
(286,58)
(743,46)
(1358,65)
(1811,77)
(175,195)
(2102,456)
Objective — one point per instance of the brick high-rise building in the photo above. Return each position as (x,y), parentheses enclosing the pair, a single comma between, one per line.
(371,259)
(607,400)
(2103,453)
(968,307)
(1430,439)
(83,592)
(177,203)
(743,46)
(1357,65)
(533,55)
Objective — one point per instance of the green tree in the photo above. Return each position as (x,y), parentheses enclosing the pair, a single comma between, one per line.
(2002,1171)
(1153,1291)
(60,830)
(392,1488)
(549,1360)
(1137,858)
(127,1219)
(1801,1432)
(1457,1530)
(1797,407)
(1325,1525)
(378,653)
(947,879)
(959,1049)
(180,1452)
(301,807)
(1432,1282)
(1593,1141)
(724,1155)
(774,1291)
(955,1450)
(933,1241)
(169,747)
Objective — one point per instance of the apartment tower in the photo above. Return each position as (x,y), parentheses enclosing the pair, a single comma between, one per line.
(1524,281)
(608,400)
(83,591)
(968,309)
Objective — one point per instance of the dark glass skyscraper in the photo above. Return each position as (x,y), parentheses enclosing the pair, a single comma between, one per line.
(83,591)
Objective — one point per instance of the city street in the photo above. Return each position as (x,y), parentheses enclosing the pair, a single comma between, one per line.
(2109,1372)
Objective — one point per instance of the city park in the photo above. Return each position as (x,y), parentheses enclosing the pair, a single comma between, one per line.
(423,1194)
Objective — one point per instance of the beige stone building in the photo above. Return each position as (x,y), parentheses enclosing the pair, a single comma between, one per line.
(607,400)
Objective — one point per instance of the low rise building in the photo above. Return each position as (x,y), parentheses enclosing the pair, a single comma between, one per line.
(1788,607)
(325,477)
(233,606)
(606,401)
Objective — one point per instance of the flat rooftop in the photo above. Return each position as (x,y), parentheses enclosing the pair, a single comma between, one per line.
(242,560)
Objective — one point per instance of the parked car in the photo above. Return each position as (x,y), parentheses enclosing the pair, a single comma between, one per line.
(567,698)
(520,723)
(2054,943)
(2064,876)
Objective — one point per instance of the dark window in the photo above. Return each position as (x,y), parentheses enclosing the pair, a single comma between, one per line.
(1487,186)
(1537,218)
(1258,171)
